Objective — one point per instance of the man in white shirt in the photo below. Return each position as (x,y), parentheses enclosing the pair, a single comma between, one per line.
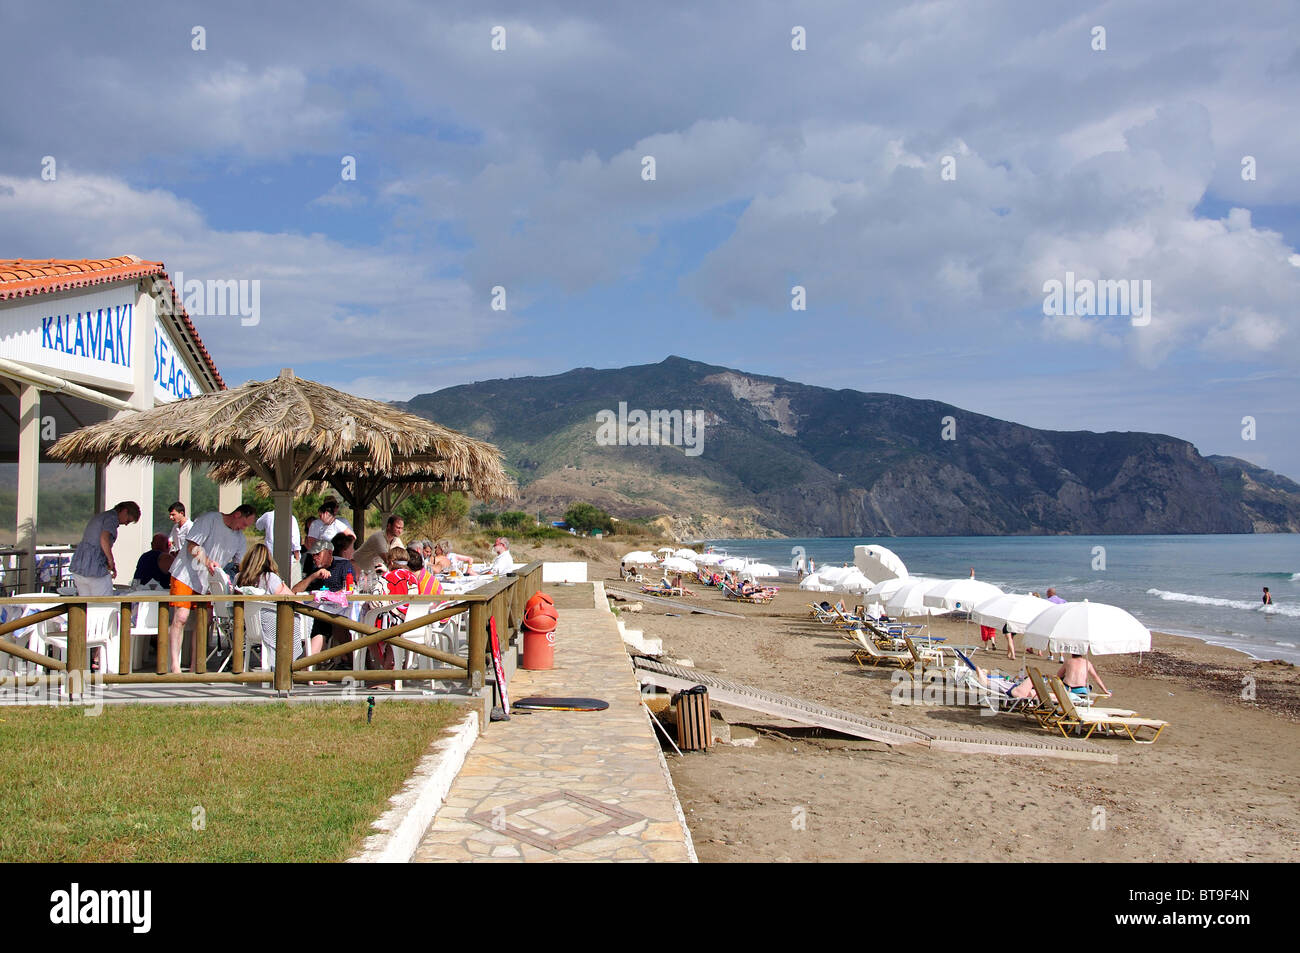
(378,544)
(266,525)
(180,526)
(327,523)
(504,562)
(214,540)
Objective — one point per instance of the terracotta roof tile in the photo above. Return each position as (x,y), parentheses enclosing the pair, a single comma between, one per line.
(25,277)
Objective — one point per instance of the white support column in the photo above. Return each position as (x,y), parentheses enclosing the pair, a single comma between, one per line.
(122,482)
(229,496)
(283,535)
(29,461)
(135,481)
(183,488)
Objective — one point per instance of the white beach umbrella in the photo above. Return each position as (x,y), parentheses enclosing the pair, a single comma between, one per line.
(762,571)
(813,583)
(877,562)
(960,594)
(686,553)
(665,549)
(1010,609)
(677,564)
(732,564)
(709,559)
(881,591)
(833,574)
(853,581)
(1082,628)
(910,599)
(640,558)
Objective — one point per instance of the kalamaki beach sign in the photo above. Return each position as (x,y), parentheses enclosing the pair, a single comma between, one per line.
(88,338)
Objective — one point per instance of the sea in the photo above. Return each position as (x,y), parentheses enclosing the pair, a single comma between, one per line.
(1206,587)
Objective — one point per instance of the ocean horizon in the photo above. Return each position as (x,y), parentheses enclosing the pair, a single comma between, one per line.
(1207,587)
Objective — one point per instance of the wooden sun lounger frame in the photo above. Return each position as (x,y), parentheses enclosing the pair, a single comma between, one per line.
(1094,720)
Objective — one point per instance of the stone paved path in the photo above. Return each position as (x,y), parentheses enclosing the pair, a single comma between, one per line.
(560,785)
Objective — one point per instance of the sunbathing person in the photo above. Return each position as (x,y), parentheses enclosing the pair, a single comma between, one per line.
(1022,688)
(1077,672)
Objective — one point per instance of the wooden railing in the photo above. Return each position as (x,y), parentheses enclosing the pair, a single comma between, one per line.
(502,600)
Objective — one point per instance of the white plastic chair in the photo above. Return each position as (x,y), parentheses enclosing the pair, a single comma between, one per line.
(102,632)
(257,615)
(31,637)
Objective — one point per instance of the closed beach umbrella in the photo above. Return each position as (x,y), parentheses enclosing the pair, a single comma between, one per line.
(910,599)
(640,558)
(881,591)
(1083,628)
(877,562)
(677,564)
(960,594)
(1010,609)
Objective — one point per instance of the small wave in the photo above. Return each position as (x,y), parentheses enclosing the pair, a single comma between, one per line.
(1275,609)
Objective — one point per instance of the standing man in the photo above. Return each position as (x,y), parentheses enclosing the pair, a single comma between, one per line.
(266,524)
(93,566)
(180,526)
(376,547)
(213,541)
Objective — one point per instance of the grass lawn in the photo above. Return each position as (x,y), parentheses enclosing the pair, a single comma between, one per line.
(274,782)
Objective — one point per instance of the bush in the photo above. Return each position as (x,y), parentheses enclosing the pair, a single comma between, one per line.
(432,515)
(514,520)
(584,518)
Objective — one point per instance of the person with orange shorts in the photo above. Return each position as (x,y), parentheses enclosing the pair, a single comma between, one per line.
(213,541)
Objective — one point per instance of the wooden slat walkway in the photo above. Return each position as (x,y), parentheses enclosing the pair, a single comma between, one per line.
(676,678)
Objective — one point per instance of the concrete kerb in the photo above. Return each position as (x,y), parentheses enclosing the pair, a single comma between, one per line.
(401,828)
(602,602)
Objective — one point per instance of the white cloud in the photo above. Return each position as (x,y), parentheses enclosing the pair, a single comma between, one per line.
(321,300)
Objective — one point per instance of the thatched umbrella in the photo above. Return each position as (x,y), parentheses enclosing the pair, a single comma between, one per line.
(288,431)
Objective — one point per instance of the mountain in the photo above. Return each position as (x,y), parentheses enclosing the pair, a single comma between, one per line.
(780,457)
(1268,497)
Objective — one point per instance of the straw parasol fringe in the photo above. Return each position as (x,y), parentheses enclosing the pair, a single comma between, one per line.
(289,430)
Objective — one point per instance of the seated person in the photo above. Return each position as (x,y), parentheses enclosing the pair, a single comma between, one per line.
(401,582)
(155,565)
(426,582)
(258,570)
(1015,688)
(1077,672)
(329,573)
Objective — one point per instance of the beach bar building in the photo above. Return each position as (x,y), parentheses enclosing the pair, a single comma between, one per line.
(84,341)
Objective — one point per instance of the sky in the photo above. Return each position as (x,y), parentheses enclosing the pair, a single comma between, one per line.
(922,171)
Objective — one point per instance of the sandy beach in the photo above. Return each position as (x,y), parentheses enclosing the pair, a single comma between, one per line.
(1219,785)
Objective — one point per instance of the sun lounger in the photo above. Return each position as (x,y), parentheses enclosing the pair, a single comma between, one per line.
(923,654)
(762,597)
(1052,711)
(1095,720)
(867,652)
(666,591)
